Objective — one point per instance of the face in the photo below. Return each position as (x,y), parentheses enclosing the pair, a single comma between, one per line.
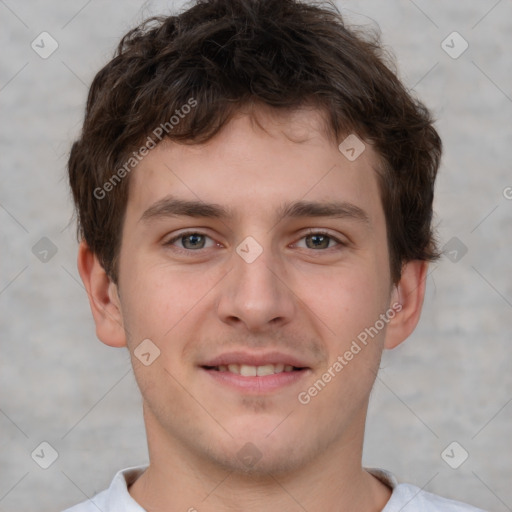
(251,299)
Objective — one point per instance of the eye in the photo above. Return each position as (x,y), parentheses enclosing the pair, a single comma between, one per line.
(191,240)
(194,241)
(320,240)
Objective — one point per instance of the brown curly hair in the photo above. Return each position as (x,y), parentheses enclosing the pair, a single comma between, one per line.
(221,55)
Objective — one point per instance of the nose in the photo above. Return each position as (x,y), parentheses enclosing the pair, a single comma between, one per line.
(257,294)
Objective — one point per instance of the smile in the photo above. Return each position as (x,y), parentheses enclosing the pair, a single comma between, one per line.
(254,371)
(255,380)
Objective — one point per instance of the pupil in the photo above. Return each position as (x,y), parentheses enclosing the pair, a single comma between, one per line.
(316,238)
(194,238)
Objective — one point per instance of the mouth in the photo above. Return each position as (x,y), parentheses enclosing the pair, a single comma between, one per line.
(246,370)
(255,373)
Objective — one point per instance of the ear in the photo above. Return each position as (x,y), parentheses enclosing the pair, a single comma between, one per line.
(409,293)
(103,298)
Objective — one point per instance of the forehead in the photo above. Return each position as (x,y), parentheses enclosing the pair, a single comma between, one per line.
(255,165)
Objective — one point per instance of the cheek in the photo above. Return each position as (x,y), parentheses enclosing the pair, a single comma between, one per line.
(155,309)
(354,295)
(352,307)
(152,304)
(162,303)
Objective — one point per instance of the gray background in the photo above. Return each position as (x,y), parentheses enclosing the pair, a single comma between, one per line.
(450,381)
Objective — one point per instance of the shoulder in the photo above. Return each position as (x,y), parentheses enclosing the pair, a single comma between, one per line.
(116,497)
(92,505)
(409,498)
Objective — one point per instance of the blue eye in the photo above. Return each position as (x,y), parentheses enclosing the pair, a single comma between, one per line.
(191,240)
(194,241)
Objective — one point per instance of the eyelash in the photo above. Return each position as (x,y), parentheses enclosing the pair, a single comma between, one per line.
(189,252)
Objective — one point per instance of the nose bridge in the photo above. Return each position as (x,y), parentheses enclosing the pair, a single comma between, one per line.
(256,293)
(256,266)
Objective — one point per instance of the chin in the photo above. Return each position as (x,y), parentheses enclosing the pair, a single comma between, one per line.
(257,454)
(259,464)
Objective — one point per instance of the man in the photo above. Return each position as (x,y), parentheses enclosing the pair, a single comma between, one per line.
(254,192)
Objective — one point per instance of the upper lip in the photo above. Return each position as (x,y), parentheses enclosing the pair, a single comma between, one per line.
(258,359)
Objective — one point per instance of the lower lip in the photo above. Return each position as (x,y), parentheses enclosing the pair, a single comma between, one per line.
(257,385)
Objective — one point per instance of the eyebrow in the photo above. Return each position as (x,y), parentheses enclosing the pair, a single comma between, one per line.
(170,206)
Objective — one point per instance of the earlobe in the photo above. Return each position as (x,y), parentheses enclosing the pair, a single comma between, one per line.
(409,292)
(103,298)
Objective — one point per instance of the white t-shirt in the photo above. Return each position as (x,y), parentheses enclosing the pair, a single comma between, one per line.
(404,498)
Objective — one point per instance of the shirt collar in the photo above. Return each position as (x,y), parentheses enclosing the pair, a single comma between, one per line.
(126,477)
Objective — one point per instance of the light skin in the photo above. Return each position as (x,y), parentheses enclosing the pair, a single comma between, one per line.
(305,295)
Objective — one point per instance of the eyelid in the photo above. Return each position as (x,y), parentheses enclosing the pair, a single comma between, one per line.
(182,234)
(308,232)
(320,231)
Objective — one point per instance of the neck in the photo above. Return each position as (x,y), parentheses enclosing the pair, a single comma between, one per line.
(178,480)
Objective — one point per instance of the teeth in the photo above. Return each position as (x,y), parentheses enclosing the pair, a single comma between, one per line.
(268,369)
(252,371)
(248,371)
(234,368)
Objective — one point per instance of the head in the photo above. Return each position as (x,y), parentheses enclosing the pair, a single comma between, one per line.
(312,172)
